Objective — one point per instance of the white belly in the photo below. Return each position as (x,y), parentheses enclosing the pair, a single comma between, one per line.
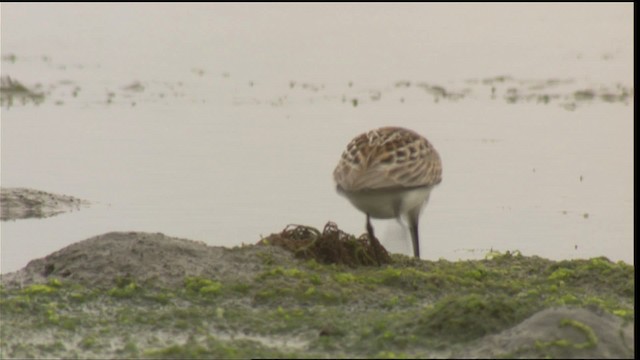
(388,204)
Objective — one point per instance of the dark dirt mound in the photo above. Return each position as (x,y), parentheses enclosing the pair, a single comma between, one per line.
(143,257)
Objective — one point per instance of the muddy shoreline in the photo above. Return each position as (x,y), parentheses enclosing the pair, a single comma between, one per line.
(24,203)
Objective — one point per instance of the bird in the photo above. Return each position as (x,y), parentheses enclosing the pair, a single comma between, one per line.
(389,173)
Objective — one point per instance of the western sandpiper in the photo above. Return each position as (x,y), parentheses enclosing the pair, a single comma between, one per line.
(389,173)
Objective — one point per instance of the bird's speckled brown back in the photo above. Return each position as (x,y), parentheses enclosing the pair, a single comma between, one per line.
(386,158)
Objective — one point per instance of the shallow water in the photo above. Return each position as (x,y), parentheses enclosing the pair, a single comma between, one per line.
(164,135)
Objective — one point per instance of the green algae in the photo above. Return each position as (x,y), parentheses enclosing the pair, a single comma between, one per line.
(590,337)
(564,346)
(468,317)
(404,309)
(12,91)
(202,286)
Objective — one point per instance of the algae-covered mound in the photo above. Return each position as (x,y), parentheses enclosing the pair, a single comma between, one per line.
(562,332)
(142,295)
(22,203)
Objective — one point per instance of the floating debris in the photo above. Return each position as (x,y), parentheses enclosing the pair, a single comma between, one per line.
(497,79)
(134,87)
(21,203)
(10,58)
(582,95)
(198,71)
(512,96)
(12,90)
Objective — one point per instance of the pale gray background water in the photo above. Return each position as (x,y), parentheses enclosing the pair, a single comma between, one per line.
(226,143)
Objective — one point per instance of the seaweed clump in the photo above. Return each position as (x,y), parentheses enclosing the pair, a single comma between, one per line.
(11,90)
(332,246)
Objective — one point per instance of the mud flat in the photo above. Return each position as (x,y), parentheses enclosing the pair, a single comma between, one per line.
(148,295)
(22,203)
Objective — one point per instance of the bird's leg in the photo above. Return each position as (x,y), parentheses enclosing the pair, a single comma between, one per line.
(416,241)
(370,228)
(379,252)
(413,228)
